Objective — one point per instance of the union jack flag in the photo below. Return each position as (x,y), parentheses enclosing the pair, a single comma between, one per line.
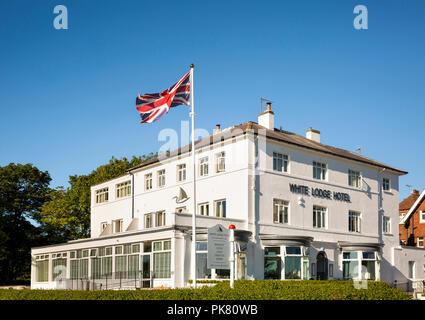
(152,106)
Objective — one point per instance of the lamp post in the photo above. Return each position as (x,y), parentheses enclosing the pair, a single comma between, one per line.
(232,254)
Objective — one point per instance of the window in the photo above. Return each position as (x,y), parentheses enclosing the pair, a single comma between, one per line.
(359,265)
(123,189)
(319,217)
(204,209)
(202,272)
(42,265)
(293,263)
(118,226)
(422,216)
(203,166)
(221,161)
(420,242)
(58,268)
(280,211)
(160,219)
(220,208)
(354,221)
(181,172)
(148,220)
(148,181)
(161,178)
(386,224)
(319,170)
(162,259)
(386,184)
(272,263)
(102,195)
(354,178)
(181,210)
(280,162)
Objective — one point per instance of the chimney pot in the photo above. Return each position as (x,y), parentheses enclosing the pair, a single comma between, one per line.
(217,127)
(269,106)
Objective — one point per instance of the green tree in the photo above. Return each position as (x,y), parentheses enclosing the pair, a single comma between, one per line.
(23,190)
(66,216)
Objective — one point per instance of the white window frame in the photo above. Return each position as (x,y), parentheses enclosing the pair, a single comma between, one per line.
(220,161)
(357,223)
(317,213)
(284,159)
(146,217)
(278,205)
(102,195)
(160,219)
(120,223)
(422,216)
(420,242)
(181,172)
(202,207)
(123,189)
(383,184)
(220,214)
(148,181)
(386,224)
(323,167)
(354,179)
(203,167)
(160,178)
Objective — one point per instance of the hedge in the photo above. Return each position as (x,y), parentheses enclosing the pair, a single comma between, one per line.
(243,290)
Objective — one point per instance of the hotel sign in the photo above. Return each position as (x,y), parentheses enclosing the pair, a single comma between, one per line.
(218,248)
(319,193)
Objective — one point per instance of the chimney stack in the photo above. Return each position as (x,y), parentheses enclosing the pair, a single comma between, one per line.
(313,134)
(266,118)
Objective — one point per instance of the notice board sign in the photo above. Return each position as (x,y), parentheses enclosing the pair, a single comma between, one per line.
(218,248)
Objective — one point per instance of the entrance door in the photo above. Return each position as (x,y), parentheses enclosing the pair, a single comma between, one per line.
(146,271)
(322,266)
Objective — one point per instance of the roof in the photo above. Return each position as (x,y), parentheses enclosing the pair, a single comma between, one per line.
(407,203)
(413,208)
(276,134)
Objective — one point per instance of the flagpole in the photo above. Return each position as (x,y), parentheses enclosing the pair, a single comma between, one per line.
(192,114)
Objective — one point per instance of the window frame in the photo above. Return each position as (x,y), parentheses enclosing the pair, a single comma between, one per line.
(181,172)
(223,213)
(160,180)
(284,159)
(148,181)
(123,189)
(421,218)
(386,227)
(357,221)
(355,178)
(204,205)
(204,164)
(387,189)
(323,167)
(218,157)
(102,195)
(276,215)
(318,209)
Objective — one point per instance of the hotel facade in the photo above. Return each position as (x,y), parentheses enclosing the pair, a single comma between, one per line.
(302,210)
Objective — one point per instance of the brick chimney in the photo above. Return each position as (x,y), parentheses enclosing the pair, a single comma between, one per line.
(313,134)
(266,118)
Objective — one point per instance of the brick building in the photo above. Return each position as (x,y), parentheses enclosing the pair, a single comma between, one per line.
(412,220)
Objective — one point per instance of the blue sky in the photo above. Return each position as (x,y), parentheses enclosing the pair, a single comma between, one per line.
(68,96)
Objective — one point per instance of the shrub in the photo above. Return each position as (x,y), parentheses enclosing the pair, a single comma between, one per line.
(243,290)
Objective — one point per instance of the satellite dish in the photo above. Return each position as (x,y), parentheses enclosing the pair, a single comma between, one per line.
(182,197)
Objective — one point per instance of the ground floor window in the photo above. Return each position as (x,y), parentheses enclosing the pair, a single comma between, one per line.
(162,259)
(202,271)
(42,273)
(360,265)
(286,262)
(58,269)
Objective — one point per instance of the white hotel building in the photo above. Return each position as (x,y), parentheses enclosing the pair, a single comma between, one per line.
(302,210)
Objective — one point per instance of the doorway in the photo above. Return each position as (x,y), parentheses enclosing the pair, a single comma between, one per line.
(146,271)
(322,266)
